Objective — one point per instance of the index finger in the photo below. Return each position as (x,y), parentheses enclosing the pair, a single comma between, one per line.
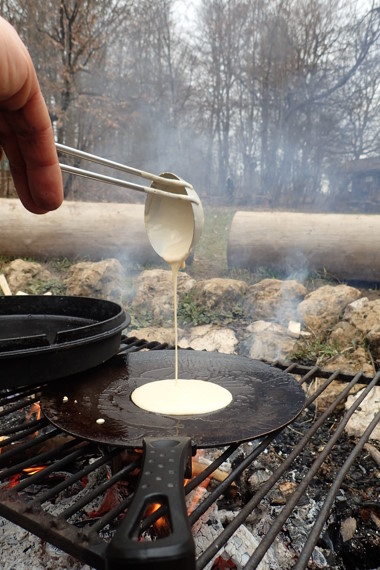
(25,128)
(31,152)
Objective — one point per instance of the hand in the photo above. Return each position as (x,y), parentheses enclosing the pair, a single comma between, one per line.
(26,133)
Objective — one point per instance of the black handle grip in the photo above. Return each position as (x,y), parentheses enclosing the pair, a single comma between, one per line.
(166,461)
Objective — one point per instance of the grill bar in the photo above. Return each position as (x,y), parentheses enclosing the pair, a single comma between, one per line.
(223,486)
(195,481)
(253,503)
(41,458)
(275,529)
(83,538)
(22,448)
(22,430)
(317,529)
(38,477)
(109,517)
(22,403)
(120,475)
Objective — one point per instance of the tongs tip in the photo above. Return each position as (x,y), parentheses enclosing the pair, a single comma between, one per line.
(171,183)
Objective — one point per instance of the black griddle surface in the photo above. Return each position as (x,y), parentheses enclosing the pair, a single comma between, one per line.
(264,399)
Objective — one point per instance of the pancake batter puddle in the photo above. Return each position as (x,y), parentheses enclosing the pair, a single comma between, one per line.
(182,398)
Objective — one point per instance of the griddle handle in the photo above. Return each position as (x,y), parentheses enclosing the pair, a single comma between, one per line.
(166,462)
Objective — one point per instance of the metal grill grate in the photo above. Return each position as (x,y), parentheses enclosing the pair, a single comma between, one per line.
(26,499)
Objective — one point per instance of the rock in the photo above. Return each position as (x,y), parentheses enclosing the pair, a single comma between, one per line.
(219,294)
(355,307)
(211,338)
(154,293)
(274,300)
(258,477)
(268,341)
(361,320)
(294,329)
(365,413)
(321,309)
(344,335)
(364,315)
(373,338)
(348,528)
(151,334)
(331,393)
(25,275)
(351,361)
(359,324)
(103,279)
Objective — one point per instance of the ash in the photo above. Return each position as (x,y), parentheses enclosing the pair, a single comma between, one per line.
(21,550)
(351,535)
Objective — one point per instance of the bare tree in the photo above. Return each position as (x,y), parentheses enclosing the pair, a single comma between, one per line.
(69,41)
(153,89)
(254,105)
(220,45)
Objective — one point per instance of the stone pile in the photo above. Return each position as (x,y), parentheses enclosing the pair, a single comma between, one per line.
(229,315)
(269,320)
(336,315)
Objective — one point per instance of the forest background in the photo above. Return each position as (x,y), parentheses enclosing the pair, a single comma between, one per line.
(258,103)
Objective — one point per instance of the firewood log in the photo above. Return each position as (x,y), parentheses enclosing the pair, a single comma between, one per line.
(345,246)
(77,229)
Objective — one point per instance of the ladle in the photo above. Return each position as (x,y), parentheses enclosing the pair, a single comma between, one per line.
(173,228)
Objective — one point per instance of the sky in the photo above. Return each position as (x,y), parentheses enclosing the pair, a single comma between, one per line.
(185,12)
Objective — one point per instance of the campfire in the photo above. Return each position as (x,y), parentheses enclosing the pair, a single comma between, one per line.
(303,496)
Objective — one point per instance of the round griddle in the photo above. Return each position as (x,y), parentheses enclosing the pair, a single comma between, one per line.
(264,399)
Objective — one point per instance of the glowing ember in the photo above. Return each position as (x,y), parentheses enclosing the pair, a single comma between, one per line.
(35,409)
(33,470)
(162,525)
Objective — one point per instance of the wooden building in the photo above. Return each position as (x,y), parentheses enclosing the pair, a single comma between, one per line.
(361,185)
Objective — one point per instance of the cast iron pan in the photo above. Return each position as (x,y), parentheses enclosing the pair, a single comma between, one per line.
(44,337)
(264,400)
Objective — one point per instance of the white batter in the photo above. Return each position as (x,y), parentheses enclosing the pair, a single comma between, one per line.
(181,398)
(170,228)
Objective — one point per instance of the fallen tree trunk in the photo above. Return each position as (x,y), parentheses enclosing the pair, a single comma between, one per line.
(343,245)
(77,229)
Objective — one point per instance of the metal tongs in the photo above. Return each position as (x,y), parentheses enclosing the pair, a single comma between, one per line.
(159,180)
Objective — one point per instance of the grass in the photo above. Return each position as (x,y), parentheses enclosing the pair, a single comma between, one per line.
(190,312)
(210,255)
(54,286)
(314,350)
(58,268)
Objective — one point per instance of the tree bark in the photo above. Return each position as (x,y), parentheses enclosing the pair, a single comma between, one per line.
(346,246)
(76,229)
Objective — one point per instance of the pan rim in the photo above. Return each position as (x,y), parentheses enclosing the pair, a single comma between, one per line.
(116,323)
